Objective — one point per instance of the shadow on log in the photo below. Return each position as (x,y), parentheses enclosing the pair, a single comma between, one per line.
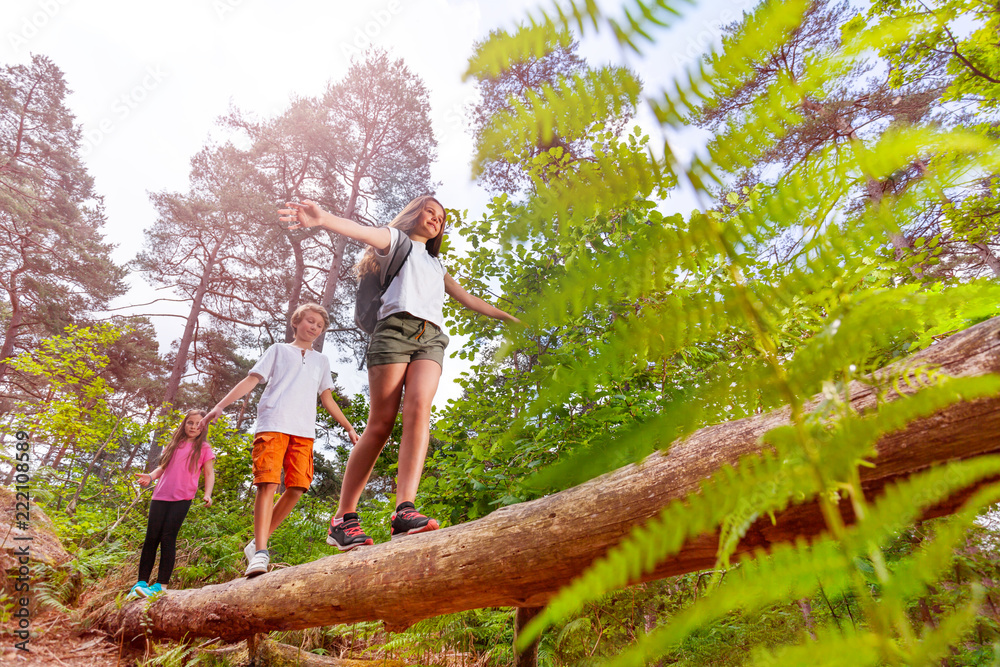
(520,555)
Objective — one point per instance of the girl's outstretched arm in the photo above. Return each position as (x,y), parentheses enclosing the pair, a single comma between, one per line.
(209,469)
(146,478)
(308,214)
(456,292)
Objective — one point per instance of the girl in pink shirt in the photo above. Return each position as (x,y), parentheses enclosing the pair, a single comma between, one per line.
(181,464)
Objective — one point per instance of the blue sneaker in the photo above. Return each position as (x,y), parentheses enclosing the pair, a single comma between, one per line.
(150,591)
(141,589)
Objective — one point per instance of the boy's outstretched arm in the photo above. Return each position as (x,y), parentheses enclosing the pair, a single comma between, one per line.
(309,214)
(242,388)
(326,398)
(456,292)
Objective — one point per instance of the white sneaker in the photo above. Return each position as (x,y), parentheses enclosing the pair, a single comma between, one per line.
(250,549)
(258,564)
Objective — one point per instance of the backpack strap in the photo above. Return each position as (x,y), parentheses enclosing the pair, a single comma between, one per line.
(403,250)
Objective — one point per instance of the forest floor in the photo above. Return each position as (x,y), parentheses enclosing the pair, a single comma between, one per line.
(56,640)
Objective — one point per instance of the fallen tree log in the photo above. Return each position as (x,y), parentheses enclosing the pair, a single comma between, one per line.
(520,555)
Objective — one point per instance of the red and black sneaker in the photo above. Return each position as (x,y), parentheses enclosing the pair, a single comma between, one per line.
(347,534)
(406,520)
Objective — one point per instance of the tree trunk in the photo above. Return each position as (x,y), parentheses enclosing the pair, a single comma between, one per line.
(332,280)
(333,275)
(16,317)
(529,656)
(807,616)
(180,363)
(988,257)
(520,555)
(297,282)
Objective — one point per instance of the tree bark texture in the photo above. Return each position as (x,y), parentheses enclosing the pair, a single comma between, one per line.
(520,555)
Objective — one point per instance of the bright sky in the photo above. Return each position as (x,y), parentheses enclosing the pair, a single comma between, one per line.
(151,78)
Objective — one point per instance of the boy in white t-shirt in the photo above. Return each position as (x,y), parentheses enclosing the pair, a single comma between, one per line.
(286,424)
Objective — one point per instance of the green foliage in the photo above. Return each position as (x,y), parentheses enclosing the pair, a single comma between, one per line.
(939,41)
(180,655)
(643,327)
(76,407)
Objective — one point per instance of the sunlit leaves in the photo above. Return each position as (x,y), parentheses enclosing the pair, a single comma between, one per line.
(786,292)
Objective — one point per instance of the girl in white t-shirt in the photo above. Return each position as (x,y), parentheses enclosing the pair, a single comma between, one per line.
(181,465)
(406,350)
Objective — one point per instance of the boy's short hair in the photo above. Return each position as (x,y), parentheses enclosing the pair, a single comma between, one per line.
(310,308)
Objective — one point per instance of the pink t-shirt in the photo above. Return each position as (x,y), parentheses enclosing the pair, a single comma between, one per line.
(178,481)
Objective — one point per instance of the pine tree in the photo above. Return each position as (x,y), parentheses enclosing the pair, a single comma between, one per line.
(206,245)
(288,153)
(507,167)
(380,151)
(941,48)
(56,266)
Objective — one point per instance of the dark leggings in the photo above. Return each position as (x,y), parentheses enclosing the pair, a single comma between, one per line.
(165,519)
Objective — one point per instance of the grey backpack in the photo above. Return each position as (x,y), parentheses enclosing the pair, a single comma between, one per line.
(371,289)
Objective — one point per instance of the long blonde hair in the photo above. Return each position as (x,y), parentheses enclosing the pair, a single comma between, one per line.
(404,222)
(179,436)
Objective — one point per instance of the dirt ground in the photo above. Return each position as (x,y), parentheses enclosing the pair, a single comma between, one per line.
(54,641)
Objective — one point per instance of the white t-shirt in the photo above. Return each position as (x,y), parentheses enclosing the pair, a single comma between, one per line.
(295,378)
(418,289)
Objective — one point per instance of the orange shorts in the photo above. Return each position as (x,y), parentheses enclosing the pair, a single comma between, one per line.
(273,451)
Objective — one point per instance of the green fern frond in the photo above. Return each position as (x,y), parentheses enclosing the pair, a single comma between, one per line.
(936,643)
(872,319)
(567,108)
(913,575)
(853,649)
(690,410)
(639,22)
(851,439)
(789,572)
(766,483)
(569,13)
(719,497)
(640,18)
(903,503)
(526,44)
(602,185)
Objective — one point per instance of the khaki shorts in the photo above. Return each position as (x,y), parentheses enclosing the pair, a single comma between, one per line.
(401,338)
(273,451)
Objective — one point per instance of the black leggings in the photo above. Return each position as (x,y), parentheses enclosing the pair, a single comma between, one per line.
(165,519)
